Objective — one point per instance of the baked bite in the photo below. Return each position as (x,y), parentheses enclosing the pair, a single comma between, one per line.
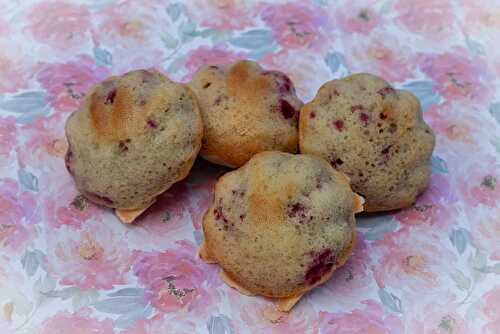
(280,225)
(132,138)
(245,110)
(373,133)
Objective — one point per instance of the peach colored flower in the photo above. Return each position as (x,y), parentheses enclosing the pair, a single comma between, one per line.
(482,26)
(432,19)
(80,322)
(297,25)
(18,215)
(440,316)
(135,25)
(95,256)
(222,14)
(66,83)
(412,260)
(370,320)
(60,24)
(161,323)
(486,231)
(13,75)
(380,54)
(205,55)
(356,16)
(457,74)
(259,315)
(491,310)
(177,279)
(482,15)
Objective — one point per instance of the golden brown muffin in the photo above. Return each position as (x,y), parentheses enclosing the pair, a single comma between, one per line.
(132,138)
(281,224)
(373,133)
(245,110)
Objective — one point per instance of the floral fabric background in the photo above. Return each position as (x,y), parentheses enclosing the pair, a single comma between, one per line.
(68,266)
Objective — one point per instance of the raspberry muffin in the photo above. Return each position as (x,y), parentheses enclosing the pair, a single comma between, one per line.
(132,138)
(373,133)
(280,225)
(245,110)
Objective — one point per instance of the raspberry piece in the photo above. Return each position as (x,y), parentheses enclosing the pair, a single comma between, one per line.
(286,109)
(68,158)
(152,124)
(321,264)
(110,98)
(339,124)
(386,91)
(364,117)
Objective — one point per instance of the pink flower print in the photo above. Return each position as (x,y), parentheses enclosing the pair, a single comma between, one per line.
(371,319)
(306,73)
(352,280)
(14,75)
(80,322)
(440,316)
(412,260)
(357,16)
(458,75)
(60,24)
(160,322)
(185,201)
(129,24)
(206,55)
(18,214)
(491,311)
(136,59)
(433,19)
(177,279)
(464,132)
(95,256)
(65,206)
(44,145)
(68,82)
(259,315)
(297,25)
(5,27)
(167,215)
(380,54)
(482,26)
(221,14)
(434,207)
(486,231)
(482,15)
(8,132)
(479,183)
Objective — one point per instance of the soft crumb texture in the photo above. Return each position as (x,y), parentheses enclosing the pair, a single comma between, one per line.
(373,133)
(245,110)
(132,138)
(281,224)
